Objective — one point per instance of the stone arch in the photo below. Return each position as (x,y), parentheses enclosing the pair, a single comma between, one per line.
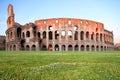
(28,34)
(63,47)
(23,35)
(50,35)
(11,35)
(14,47)
(70,34)
(27,47)
(76,47)
(82,47)
(44,35)
(50,47)
(70,48)
(50,27)
(75,27)
(101,48)
(87,48)
(39,35)
(56,34)
(56,47)
(92,36)
(97,37)
(10,47)
(101,37)
(93,48)
(82,35)
(97,48)
(76,35)
(63,33)
(44,47)
(33,47)
(87,35)
(22,42)
(105,48)
(18,32)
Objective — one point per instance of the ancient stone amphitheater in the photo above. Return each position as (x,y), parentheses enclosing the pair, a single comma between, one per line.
(58,34)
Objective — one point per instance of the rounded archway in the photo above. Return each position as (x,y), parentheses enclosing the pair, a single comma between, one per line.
(76,47)
(56,47)
(87,48)
(33,47)
(70,48)
(63,47)
(27,47)
(82,48)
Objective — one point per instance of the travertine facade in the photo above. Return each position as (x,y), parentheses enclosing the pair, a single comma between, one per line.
(58,34)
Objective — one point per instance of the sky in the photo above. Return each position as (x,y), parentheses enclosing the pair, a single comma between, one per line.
(105,11)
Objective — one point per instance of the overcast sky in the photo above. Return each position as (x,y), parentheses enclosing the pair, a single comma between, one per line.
(105,11)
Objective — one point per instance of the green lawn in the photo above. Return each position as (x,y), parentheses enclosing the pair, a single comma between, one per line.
(45,65)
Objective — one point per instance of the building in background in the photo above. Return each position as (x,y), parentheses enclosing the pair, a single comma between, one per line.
(2,42)
(57,34)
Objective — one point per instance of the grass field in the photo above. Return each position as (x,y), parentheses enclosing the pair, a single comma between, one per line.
(44,65)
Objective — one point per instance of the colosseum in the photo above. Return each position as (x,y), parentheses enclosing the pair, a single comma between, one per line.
(57,34)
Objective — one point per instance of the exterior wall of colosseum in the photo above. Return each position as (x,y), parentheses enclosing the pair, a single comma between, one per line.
(59,34)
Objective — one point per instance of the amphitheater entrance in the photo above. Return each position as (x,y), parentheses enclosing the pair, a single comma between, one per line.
(87,48)
(27,47)
(50,48)
(44,47)
(33,48)
(14,47)
(101,48)
(22,44)
(97,48)
(63,47)
(82,48)
(56,47)
(93,48)
(76,48)
(70,48)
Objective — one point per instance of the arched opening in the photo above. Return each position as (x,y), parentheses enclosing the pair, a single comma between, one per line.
(70,48)
(96,29)
(28,34)
(69,35)
(44,35)
(27,47)
(82,35)
(34,31)
(50,28)
(87,48)
(22,44)
(82,48)
(76,48)
(56,34)
(56,47)
(63,47)
(50,35)
(44,47)
(63,34)
(93,48)
(10,47)
(76,35)
(18,33)
(75,27)
(11,35)
(14,47)
(101,48)
(92,36)
(101,37)
(87,35)
(97,48)
(50,48)
(105,48)
(23,35)
(33,47)
(39,36)
(97,37)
